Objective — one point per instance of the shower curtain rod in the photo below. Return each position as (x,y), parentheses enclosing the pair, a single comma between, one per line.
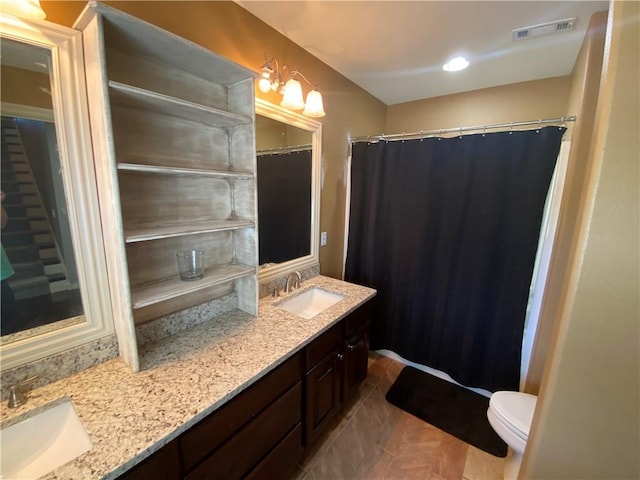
(459,130)
(293,148)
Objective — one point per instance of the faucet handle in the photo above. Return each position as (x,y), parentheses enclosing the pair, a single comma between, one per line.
(296,277)
(17,395)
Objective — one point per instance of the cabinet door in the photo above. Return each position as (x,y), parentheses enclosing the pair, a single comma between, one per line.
(356,360)
(323,384)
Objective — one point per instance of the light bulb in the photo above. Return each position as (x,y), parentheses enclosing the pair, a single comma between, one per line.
(314,107)
(264,85)
(455,64)
(292,95)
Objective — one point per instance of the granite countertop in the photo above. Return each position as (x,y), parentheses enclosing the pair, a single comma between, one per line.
(183,378)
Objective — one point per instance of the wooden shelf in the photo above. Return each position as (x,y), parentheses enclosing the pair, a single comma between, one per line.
(161,170)
(130,96)
(143,234)
(173,125)
(145,295)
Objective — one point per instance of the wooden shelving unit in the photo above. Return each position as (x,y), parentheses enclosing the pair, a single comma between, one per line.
(136,167)
(139,98)
(174,136)
(151,293)
(143,234)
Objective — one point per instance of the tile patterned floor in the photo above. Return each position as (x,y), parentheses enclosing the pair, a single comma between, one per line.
(373,440)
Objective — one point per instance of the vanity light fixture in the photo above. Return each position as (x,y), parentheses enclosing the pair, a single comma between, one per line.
(273,80)
(455,64)
(23,8)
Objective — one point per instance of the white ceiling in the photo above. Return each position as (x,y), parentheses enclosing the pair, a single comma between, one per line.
(395,49)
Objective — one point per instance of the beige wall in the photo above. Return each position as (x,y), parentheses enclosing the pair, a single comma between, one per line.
(585,84)
(587,422)
(23,87)
(533,100)
(229,30)
(272,134)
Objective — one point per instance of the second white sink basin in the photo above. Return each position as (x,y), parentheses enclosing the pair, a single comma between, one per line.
(310,303)
(39,444)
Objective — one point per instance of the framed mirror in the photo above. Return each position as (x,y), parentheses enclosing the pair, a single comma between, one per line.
(54,284)
(289,155)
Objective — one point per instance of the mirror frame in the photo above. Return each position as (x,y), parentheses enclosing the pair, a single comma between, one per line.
(70,112)
(297,120)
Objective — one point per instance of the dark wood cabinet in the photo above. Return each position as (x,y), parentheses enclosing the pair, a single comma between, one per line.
(236,438)
(356,351)
(323,388)
(356,360)
(204,438)
(244,450)
(262,432)
(336,365)
(165,464)
(282,460)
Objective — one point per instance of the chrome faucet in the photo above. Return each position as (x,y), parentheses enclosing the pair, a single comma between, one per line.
(296,277)
(17,392)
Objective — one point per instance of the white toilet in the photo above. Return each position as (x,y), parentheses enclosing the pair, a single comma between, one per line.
(510,415)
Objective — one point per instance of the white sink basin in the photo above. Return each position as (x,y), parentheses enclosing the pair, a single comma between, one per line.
(39,444)
(310,302)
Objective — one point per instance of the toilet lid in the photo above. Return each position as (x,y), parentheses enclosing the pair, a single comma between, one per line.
(515,408)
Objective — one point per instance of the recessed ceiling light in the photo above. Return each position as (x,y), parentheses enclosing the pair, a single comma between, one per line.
(456,64)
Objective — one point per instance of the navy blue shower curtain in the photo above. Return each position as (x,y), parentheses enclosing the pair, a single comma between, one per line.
(446,229)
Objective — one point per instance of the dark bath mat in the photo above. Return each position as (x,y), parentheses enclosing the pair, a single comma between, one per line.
(449,407)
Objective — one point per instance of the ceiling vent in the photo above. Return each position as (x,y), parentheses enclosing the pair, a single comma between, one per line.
(549,28)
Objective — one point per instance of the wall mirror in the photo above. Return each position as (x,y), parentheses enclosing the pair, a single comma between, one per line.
(289,155)
(55,293)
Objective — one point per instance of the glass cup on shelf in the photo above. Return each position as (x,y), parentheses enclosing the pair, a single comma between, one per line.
(190,264)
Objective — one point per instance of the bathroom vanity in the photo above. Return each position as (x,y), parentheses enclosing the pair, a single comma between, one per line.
(262,433)
(238,395)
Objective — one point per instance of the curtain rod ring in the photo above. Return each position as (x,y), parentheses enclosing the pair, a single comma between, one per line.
(484,131)
(511,129)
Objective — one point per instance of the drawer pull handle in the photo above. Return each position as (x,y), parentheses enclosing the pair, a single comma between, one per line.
(340,356)
(352,347)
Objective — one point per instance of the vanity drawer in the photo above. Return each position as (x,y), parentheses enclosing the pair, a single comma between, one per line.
(281,462)
(211,432)
(327,342)
(357,319)
(164,464)
(253,442)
